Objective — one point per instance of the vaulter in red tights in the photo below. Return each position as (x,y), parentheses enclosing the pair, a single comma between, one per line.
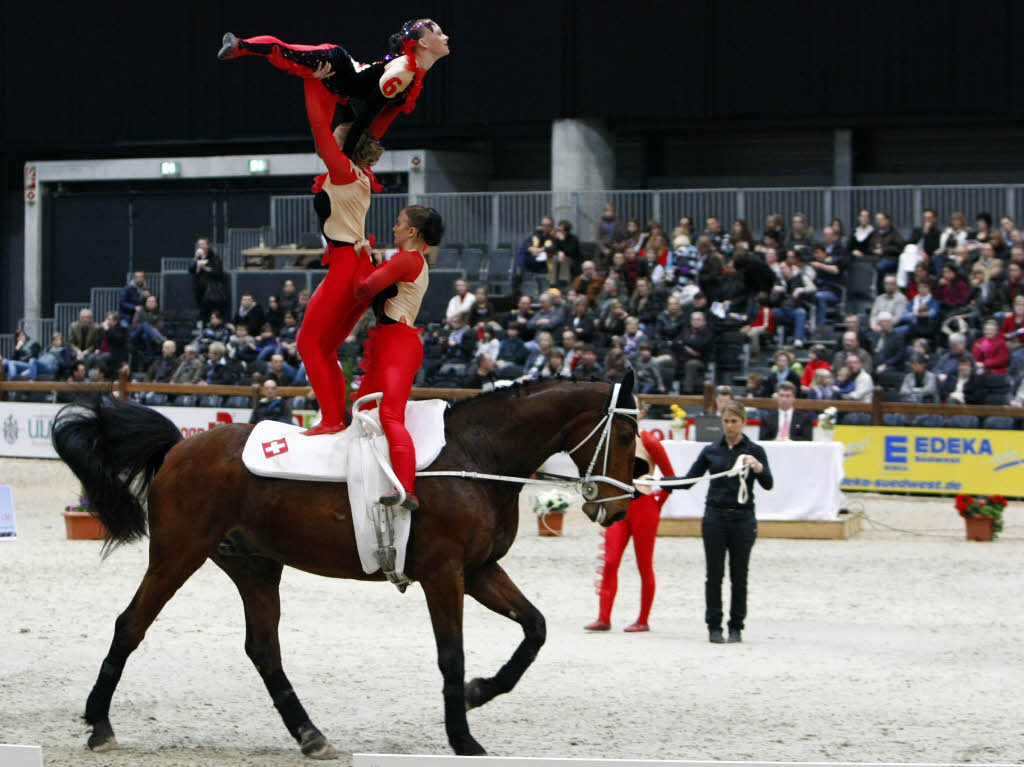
(342,199)
(394,352)
(641,523)
(384,88)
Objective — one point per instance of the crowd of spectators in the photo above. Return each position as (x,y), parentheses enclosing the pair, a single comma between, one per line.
(947,324)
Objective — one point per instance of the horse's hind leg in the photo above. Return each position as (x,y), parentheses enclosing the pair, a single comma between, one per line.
(491,587)
(258,581)
(164,576)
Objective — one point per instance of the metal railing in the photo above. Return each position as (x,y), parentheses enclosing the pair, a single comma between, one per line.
(506,218)
(6,344)
(66,313)
(175,264)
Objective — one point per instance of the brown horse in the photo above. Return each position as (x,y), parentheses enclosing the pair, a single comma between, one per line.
(197,491)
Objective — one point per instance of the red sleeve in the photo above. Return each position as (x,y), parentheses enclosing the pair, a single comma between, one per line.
(653,446)
(320,108)
(403,267)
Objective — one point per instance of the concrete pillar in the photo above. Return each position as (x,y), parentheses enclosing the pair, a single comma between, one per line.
(583,162)
(842,157)
(33,289)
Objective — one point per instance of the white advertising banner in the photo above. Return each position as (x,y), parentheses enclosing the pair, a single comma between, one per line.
(25,426)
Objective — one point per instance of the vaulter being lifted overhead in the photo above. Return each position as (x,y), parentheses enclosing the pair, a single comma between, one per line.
(384,88)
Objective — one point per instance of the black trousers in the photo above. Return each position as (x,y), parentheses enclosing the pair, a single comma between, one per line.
(726,530)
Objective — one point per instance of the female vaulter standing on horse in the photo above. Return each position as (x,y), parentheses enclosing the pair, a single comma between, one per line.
(393,354)
(342,199)
(386,88)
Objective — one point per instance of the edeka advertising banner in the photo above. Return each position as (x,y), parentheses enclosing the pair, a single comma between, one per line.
(25,426)
(933,460)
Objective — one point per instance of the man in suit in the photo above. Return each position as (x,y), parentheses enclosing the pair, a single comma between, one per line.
(786,423)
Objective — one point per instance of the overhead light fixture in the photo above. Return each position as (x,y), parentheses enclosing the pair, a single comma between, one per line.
(170,168)
(259,166)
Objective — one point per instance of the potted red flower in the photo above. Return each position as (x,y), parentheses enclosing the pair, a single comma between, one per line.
(983,515)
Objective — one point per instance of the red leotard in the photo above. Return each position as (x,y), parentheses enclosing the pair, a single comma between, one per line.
(393,354)
(334,309)
(641,522)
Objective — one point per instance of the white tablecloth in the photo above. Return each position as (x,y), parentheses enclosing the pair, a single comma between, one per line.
(807,479)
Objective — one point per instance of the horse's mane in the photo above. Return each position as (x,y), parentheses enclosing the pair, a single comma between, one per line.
(517,388)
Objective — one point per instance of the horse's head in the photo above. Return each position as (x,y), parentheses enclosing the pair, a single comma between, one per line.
(604,449)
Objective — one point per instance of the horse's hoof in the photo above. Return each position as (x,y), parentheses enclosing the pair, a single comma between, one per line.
(101,744)
(102,738)
(315,745)
(469,747)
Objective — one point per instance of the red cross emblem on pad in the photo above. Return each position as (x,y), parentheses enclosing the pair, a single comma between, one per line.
(275,447)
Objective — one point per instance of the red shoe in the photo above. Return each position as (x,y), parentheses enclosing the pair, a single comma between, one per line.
(598,625)
(323,429)
(632,628)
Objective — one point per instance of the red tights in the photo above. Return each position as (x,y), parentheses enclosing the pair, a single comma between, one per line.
(391,359)
(332,313)
(642,523)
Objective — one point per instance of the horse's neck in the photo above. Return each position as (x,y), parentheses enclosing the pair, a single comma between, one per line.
(529,431)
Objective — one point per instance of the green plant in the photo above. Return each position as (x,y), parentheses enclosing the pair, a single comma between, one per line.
(983,506)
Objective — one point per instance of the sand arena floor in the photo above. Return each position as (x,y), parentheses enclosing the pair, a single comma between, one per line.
(888,647)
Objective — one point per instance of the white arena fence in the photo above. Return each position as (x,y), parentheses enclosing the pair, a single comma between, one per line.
(414,760)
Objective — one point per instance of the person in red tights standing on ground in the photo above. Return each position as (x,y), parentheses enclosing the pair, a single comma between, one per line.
(393,353)
(342,199)
(641,523)
(384,89)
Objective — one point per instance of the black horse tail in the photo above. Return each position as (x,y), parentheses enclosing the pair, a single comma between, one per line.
(115,449)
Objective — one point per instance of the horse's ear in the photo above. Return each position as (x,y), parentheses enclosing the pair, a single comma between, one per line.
(626,391)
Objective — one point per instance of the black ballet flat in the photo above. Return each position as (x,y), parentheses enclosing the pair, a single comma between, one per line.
(229,47)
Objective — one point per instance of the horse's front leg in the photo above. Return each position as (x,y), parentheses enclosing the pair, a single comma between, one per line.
(445,591)
(491,587)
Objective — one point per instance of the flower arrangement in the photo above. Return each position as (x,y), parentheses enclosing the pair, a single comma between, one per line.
(827,419)
(550,502)
(83,505)
(678,417)
(982,506)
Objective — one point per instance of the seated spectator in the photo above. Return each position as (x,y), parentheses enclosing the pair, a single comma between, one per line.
(610,234)
(613,319)
(512,354)
(741,234)
(55,361)
(302,301)
(822,386)
(991,354)
(191,368)
(218,372)
(792,297)
(214,331)
(589,283)
(890,349)
(564,263)
(692,352)
(481,311)
(953,235)
(538,356)
(920,384)
(860,238)
(615,362)
(1012,286)
(800,237)
(609,293)
(965,387)
(817,360)
(483,376)
(280,371)
(132,296)
(289,297)
(147,327)
(79,374)
(863,388)
(946,366)
(850,345)
(783,370)
(242,346)
(886,244)
(892,301)
(923,298)
(287,338)
(926,236)
(555,366)
(670,324)
(271,407)
(682,235)
(983,300)
(83,336)
(461,302)
(249,313)
(588,367)
(459,342)
(644,305)
(648,372)
(951,291)
(548,318)
(786,422)
(266,342)
(520,317)
(274,315)
(486,343)
(582,322)
(828,281)
(112,351)
(632,337)
(533,253)
(647,265)
(763,322)
(164,366)
(774,228)
(925,325)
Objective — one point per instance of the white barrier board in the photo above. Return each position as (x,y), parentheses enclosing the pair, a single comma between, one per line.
(21,756)
(413,760)
(8,527)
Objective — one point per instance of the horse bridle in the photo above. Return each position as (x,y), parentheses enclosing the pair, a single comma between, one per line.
(587,485)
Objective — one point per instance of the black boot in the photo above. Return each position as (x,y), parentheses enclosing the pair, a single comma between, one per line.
(735,635)
(411,502)
(715,636)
